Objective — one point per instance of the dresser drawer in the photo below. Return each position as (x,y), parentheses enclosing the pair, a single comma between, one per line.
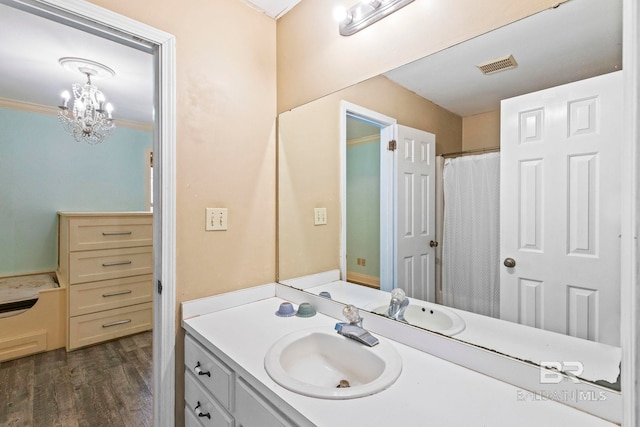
(88,298)
(209,371)
(201,406)
(110,324)
(92,233)
(91,266)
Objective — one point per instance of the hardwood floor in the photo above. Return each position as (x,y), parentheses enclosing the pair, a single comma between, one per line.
(103,385)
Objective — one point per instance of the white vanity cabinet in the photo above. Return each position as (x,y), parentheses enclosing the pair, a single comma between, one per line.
(216,395)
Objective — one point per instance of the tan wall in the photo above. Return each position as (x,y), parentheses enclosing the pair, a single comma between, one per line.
(481,131)
(314,59)
(309,166)
(226,79)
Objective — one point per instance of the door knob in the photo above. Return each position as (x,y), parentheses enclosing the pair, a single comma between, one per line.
(433,243)
(509,262)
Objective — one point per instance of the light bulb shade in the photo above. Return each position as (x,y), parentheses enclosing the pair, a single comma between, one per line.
(342,15)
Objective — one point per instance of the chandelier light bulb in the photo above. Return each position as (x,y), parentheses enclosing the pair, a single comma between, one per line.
(65,98)
(109,109)
(100,99)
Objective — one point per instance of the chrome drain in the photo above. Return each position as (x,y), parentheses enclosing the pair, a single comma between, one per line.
(343,384)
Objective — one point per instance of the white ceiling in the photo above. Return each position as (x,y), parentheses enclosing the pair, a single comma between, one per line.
(29,53)
(579,39)
(273,8)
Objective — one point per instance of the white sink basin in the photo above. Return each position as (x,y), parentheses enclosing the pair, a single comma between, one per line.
(313,362)
(429,316)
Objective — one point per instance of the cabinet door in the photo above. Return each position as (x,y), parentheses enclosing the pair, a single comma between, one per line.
(253,410)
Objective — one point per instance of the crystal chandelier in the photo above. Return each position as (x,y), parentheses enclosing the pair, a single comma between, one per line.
(90,118)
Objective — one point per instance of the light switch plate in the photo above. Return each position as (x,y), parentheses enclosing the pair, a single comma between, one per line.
(320,216)
(216,219)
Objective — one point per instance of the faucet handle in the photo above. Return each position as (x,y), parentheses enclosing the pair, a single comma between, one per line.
(398,294)
(351,313)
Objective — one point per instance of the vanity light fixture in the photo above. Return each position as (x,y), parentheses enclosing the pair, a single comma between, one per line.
(365,13)
(90,118)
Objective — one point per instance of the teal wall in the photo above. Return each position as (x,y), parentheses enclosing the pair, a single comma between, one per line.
(363,208)
(43,170)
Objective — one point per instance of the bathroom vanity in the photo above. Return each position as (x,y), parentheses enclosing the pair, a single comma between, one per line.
(228,336)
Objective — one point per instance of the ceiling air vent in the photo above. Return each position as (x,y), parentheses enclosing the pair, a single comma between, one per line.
(500,64)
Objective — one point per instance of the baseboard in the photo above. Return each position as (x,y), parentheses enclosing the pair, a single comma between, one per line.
(363,279)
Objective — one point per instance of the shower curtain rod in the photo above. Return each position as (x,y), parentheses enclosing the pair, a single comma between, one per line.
(475,151)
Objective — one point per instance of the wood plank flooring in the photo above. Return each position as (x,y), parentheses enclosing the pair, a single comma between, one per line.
(103,385)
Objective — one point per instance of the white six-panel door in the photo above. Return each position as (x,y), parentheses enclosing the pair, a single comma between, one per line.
(415,216)
(560,208)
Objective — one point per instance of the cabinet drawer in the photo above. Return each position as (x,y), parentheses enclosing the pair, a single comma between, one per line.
(110,324)
(93,233)
(88,298)
(190,418)
(209,371)
(200,405)
(91,266)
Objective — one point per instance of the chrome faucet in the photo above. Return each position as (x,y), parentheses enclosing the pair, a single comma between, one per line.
(354,329)
(398,305)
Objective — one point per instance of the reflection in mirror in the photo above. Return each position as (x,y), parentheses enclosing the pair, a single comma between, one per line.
(363,202)
(576,317)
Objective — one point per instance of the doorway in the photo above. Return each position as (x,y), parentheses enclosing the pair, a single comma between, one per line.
(89,18)
(406,222)
(385,124)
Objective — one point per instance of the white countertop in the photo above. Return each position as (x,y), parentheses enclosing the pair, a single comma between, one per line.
(429,391)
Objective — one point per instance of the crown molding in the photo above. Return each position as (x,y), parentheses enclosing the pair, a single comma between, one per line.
(30,107)
(364,139)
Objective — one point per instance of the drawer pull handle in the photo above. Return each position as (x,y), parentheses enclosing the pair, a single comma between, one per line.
(116,233)
(111,264)
(119,322)
(200,371)
(200,413)
(113,294)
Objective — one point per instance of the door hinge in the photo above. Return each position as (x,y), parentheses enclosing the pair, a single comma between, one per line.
(392,145)
(159,287)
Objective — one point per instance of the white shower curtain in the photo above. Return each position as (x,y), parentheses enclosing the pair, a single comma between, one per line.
(471,235)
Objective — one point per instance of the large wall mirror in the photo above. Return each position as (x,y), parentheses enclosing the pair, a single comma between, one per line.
(539,282)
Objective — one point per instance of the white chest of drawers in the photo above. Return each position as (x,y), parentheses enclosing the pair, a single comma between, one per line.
(106,259)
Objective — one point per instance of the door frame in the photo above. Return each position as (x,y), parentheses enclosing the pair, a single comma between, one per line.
(388,277)
(97,20)
(630,279)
